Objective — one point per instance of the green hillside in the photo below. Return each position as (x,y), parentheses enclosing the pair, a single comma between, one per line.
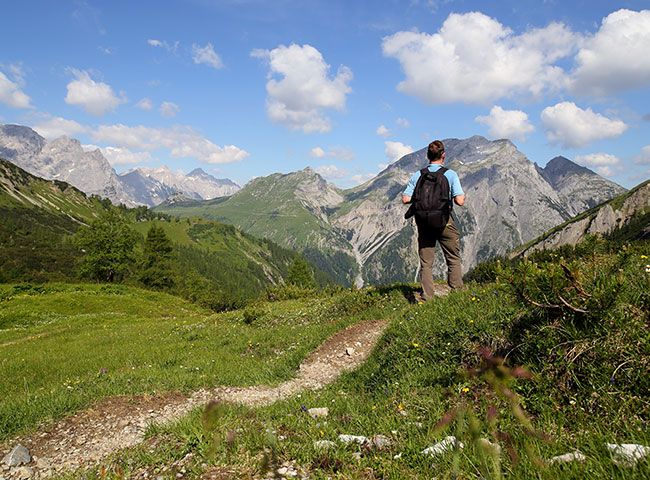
(269,208)
(214,264)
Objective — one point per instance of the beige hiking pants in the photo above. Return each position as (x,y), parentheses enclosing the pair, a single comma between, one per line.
(449,239)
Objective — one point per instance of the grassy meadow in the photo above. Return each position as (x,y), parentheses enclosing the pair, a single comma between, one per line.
(505,361)
(64,346)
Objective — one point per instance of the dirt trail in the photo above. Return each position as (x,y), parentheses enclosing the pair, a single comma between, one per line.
(84,439)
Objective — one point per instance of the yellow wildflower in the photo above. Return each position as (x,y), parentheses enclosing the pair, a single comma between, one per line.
(465,390)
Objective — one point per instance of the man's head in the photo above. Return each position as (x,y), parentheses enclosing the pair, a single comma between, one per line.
(436,151)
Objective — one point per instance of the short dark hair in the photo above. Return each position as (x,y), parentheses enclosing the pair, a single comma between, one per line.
(435,151)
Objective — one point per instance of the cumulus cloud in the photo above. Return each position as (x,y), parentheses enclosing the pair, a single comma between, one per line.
(382,131)
(403,122)
(644,157)
(124,156)
(475,59)
(616,57)
(145,104)
(300,89)
(360,178)
(182,142)
(11,93)
(572,127)
(512,124)
(396,150)
(55,127)
(336,153)
(602,163)
(96,98)
(332,171)
(169,109)
(206,56)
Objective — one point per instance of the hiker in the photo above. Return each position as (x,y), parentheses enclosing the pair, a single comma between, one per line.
(432,192)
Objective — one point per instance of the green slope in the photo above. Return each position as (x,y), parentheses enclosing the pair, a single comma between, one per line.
(269,208)
(40,217)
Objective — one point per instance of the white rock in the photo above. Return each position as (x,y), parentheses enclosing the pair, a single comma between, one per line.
(360,439)
(627,454)
(443,446)
(576,456)
(324,445)
(397,457)
(318,412)
(19,455)
(282,470)
(23,473)
(349,351)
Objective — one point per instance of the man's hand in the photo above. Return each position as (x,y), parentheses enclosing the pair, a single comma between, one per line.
(406,199)
(459,200)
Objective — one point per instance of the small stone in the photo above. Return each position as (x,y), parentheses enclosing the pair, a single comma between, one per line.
(397,457)
(318,412)
(360,439)
(19,455)
(380,442)
(443,446)
(23,473)
(349,351)
(627,454)
(282,470)
(324,445)
(576,456)
(42,464)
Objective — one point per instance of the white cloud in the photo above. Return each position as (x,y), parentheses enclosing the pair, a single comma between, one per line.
(172,48)
(403,122)
(299,88)
(396,150)
(361,178)
(616,57)
(332,171)
(11,93)
(55,127)
(206,56)
(572,127)
(512,124)
(145,104)
(336,153)
(644,157)
(317,152)
(603,163)
(475,59)
(382,131)
(124,156)
(169,109)
(182,142)
(96,98)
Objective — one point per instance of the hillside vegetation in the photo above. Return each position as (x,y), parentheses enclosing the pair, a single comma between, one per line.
(549,358)
(210,263)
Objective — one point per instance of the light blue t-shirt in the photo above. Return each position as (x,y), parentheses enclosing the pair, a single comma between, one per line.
(452,177)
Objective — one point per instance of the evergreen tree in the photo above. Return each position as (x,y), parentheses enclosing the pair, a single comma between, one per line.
(301,274)
(157,264)
(108,245)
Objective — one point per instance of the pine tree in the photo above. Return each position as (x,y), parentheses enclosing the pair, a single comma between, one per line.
(157,263)
(301,274)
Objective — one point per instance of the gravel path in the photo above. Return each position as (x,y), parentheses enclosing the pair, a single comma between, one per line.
(84,439)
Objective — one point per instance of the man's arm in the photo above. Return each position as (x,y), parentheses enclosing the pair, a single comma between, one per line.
(406,199)
(458,200)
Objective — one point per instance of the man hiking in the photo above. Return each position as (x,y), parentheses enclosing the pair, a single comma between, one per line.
(432,192)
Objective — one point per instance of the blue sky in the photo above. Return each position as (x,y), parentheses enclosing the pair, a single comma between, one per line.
(244,88)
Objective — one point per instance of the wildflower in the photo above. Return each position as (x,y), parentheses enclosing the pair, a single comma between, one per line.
(415,345)
(644,257)
(647,269)
(465,390)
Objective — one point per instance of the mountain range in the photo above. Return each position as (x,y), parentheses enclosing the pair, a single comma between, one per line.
(360,236)
(65,159)
(356,235)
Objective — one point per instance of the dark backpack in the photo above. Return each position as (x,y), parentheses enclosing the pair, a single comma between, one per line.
(430,203)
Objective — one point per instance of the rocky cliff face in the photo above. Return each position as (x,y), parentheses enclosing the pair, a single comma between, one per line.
(62,159)
(602,220)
